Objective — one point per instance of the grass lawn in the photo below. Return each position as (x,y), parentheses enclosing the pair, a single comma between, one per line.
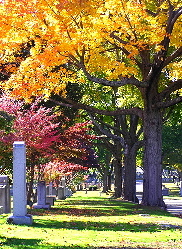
(94,222)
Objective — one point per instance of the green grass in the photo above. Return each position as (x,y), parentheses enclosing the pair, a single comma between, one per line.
(92,221)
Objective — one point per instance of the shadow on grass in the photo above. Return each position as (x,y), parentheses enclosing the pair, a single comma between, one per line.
(17,243)
(98,208)
(103,226)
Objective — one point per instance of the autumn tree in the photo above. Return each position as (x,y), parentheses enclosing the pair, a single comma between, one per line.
(124,43)
(46,139)
(37,127)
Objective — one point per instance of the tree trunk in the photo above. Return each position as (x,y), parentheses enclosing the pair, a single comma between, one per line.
(109,183)
(117,178)
(129,185)
(152,184)
(105,180)
(30,185)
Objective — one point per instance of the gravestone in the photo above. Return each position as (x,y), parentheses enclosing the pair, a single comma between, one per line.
(165,191)
(63,182)
(180,188)
(61,193)
(41,196)
(50,197)
(68,192)
(50,188)
(20,215)
(5,198)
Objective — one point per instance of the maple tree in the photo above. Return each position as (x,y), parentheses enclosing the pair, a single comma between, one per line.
(113,43)
(38,127)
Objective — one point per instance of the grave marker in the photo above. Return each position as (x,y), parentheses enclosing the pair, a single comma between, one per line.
(20,215)
(5,198)
(41,196)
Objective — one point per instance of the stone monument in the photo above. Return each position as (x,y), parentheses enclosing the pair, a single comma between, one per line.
(20,215)
(5,198)
(41,196)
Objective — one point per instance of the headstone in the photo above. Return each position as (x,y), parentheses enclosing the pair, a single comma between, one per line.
(5,198)
(50,199)
(63,182)
(41,196)
(20,215)
(61,193)
(68,192)
(180,188)
(50,188)
(165,191)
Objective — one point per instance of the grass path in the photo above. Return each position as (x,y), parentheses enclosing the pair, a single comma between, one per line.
(94,222)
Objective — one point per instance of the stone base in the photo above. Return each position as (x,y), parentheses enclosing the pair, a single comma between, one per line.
(20,220)
(50,199)
(41,206)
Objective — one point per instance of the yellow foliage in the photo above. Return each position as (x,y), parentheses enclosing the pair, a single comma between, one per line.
(77,31)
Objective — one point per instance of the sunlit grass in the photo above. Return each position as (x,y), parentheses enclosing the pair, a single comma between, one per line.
(93,221)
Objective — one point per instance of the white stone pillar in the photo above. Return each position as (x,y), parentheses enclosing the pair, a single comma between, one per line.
(19,185)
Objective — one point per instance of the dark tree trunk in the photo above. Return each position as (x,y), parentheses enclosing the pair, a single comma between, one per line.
(117,178)
(109,180)
(105,180)
(152,185)
(129,185)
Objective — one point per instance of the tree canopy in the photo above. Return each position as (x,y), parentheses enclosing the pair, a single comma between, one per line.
(134,44)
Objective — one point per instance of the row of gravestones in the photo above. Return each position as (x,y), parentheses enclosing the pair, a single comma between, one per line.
(20,215)
(45,195)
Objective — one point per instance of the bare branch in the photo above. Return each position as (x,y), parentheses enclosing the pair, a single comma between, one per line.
(108,125)
(106,132)
(72,104)
(169,103)
(173,56)
(171,88)
(123,82)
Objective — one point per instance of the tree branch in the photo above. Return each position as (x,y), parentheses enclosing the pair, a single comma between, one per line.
(176,85)
(108,125)
(173,56)
(72,104)
(169,103)
(105,82)
(106,132)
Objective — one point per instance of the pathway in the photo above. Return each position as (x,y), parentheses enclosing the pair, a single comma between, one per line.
(174,205)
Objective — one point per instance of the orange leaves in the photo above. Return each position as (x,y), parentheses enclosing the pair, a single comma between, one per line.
(80,29)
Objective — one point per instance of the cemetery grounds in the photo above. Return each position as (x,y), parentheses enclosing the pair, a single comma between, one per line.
(94,220)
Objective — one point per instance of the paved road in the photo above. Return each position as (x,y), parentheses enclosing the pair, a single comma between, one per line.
(174,206)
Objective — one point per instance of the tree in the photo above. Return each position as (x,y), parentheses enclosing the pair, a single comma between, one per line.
(37,127)
(133,43)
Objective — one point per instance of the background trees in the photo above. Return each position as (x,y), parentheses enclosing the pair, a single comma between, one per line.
(125,44)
